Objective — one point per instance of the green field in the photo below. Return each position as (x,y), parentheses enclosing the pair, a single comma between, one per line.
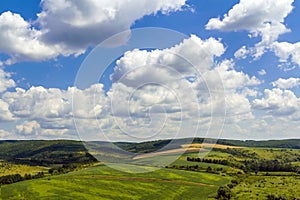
(10,168)
(101,182)
(249,173)
(259,187)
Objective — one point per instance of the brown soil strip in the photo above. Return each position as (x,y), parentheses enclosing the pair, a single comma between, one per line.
(186,148)
(141,179)
(206,145)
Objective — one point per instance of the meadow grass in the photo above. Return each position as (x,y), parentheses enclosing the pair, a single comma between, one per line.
(102,182)
(259,187)
(10,168)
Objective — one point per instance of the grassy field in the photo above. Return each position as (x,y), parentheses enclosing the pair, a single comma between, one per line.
(244,175)
(10,168)
(260,187)
(101,182)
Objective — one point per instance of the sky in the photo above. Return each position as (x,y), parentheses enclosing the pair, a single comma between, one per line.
(141,70)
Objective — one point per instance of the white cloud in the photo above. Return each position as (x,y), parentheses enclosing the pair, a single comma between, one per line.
(149,91)
(28,128)
(21,41)
(186,58)
(33,128)
(262,72)
(49,112)
(182,97)
(286,83)
(251,15)
(5,80)
(287,52)
(279,102)
(31,103)
(208,82)
(4,134)
(5,114)
(236,89)
(66,27)
(232,79)
(241,53)
(171,68)
(155,83)
(263,18)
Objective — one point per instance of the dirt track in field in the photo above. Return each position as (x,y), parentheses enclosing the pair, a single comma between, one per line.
(205,145)
(140,179)
(186,148)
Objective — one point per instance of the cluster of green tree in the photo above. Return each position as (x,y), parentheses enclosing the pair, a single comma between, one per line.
(44,153)
(289,143)
(224,193)
(50,158)
(269,166)
(21,149)
(8,179)
(241,153)
(252,165)
(208,160)
(197,168)
(66,168)
(278,197)
(230,163)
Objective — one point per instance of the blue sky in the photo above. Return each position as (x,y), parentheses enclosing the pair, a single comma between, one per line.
(253,51)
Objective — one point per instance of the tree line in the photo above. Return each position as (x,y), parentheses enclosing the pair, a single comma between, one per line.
(13,178)
(253,165)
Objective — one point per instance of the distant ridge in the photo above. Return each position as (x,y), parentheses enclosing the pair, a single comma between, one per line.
(285,143)
(18,149)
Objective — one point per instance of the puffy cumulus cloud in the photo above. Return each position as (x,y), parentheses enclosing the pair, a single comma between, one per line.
(79,24)
(262,72)
(90,102)
(234,80)
(4,134)
(286,83)
(241,53)
(150,88)
(166,93)
(21,41)
(192,55)
(31,103)
(263,128)
(157,108)
(192,63)
(231,80)
(243,112)
(263,18)
(249,15)
(174,68)
(5,114)
(287,52)
(5,80)
(234,87)
(50,112)
(33,128)
(28,128)
(279,102)
(66,27)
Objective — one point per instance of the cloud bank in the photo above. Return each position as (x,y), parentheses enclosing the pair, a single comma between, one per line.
(66,27)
